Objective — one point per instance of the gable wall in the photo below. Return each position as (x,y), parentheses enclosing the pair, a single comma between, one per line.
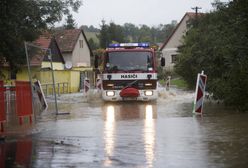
(81,56)
(174,42)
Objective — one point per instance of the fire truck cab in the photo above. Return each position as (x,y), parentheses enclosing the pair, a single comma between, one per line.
(129,73)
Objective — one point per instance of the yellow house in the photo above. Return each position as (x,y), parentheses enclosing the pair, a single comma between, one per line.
(65,80)
(77,53)
(40,67)
(74,48)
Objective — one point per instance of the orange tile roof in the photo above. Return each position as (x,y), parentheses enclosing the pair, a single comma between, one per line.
(43,41)
(46,41)
(67,39)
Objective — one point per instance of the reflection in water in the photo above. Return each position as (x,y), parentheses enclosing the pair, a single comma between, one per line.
(16,153)
(131,135)
(149,135)
(140,139)
(109,130)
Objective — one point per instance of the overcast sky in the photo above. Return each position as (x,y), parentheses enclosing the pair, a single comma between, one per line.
(149,12)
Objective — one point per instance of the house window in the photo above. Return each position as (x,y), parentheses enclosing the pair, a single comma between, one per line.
(173,58)
(81,43)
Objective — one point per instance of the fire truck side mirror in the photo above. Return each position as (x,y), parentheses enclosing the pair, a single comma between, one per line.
(162,61)
(96,61)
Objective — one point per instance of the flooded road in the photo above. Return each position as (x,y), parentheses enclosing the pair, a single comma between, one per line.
(132,134)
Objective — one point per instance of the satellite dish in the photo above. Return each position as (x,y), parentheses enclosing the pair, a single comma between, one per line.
(68,65)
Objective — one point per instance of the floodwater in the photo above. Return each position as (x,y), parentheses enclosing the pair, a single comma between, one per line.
(131,134)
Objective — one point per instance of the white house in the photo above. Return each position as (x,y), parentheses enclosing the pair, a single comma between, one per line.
(169,48)
(74,48)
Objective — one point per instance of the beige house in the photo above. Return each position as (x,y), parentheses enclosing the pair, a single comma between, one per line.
(77,55)
(169,48)
(74,48)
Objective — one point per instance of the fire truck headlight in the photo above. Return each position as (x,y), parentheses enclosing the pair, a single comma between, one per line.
(148,84)
(110,85)
(110,93)
(150,69)
(148,93)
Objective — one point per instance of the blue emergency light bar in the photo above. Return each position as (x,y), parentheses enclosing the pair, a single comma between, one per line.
(123,45)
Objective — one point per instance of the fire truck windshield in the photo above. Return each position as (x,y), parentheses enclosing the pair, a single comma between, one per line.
(129,61)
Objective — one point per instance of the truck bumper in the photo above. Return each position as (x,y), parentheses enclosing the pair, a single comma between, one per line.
(144,95)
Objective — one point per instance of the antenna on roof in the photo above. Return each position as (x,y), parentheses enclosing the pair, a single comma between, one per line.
(196,9)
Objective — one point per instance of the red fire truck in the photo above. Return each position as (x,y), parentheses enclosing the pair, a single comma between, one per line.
(129,72)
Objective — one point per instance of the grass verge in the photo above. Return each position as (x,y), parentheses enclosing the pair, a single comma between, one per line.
(179,83)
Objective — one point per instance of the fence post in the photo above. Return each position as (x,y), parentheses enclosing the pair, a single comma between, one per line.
(168,82)
(46,90)
(63,89)
(58,89)
(2,105)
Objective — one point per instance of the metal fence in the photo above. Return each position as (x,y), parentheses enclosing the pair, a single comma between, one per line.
(60,88)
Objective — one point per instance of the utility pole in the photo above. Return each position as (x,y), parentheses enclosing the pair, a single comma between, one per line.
(196,9)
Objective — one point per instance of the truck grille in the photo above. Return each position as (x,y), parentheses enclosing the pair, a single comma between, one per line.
(119,84)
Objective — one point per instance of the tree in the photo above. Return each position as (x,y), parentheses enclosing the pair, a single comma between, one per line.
(70,22)
(92,44)
(24,20)
(115,33)
(218,45)
(144,34)
(104,35)
(165,31)
(89,28)
(130,32)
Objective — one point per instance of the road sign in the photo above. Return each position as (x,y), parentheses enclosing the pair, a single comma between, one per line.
(40,94)
(199,93)
(86,85)
(99,84)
